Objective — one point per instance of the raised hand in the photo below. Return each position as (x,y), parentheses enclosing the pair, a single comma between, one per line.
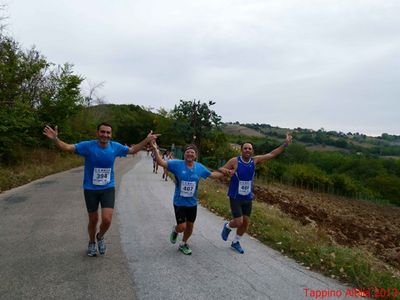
(50,132)
(289,138)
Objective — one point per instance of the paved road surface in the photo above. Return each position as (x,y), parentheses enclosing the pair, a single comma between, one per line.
(43,241)
(213,271)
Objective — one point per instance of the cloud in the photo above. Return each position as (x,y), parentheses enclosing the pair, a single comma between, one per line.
(310,64)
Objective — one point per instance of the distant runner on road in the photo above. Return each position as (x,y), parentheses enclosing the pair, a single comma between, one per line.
(240,191)
(98,182)
(188,173)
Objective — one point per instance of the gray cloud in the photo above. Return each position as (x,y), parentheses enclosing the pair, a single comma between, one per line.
(309,64)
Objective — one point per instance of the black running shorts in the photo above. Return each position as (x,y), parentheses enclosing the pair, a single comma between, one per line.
(241,207)
(185,213)
(105,197)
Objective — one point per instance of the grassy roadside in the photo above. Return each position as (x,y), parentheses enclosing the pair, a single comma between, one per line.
(306,244)
(37,164)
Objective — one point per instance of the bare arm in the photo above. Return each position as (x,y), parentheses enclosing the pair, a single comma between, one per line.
(53,135)
(136,148)
(275,152)
(158,157)
(216,174)
(230,167)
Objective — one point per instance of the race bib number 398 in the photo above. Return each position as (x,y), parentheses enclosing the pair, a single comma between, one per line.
(188,188)
(101,176)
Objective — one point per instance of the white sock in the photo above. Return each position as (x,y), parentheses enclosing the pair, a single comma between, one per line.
(236,239)
(182,243)
(227,226)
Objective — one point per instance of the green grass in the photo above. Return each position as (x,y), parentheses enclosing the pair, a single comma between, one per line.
(36,164)
(306,244)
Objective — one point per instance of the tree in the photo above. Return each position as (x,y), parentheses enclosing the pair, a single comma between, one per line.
(198,119)
(33,92)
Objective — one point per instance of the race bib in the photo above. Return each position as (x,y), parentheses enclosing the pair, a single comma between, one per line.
(244,187)
(101,176)
(188,188)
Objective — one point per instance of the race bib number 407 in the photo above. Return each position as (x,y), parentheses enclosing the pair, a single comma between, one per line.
(188,188)
(101,176)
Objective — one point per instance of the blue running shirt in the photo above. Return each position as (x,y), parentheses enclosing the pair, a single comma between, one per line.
(187,180)
(241,184)
(99,163)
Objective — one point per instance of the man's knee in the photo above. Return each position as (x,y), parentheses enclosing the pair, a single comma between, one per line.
(238,222)
(181,227)
(93,218)
(106,216)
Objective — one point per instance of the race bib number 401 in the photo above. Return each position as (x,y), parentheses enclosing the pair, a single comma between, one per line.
(244,187)
(101,176)
(188,188)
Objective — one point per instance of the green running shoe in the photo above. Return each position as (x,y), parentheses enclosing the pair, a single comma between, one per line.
(173,236)
(185,249)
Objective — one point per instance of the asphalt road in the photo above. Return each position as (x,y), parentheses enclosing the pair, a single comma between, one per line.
(213,271)
(43,240)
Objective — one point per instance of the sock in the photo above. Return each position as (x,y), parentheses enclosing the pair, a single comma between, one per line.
(236,239)
(182,243)
(227,226)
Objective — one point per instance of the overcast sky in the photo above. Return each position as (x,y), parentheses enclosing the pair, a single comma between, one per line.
(288,63)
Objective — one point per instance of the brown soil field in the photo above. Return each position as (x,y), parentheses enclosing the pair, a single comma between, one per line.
(354,223)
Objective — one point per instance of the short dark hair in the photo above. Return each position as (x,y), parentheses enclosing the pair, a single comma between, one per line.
(103,124)
(241,146)
(190,146)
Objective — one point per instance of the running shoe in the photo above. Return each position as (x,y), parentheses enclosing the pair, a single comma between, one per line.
(236,246)
(101,244)
(173,236)
(91,250)
(185,249)
(225,232)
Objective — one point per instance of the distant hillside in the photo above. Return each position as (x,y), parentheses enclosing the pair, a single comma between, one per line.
(321,140)
(235,129)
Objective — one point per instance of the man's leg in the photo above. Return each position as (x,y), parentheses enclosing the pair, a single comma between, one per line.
(246,208)
(107,208)
(106,218)
(92,226)
(237,220)
(190,215)
(244,225)
(188,231)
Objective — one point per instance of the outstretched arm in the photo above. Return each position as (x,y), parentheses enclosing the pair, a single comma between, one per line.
(216,174)
(275,152)
(136,148)
(158,157)
(53,135)
(229,168)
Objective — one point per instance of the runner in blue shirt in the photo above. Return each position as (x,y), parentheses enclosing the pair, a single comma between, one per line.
(187,173)
(240,191)
(98,182)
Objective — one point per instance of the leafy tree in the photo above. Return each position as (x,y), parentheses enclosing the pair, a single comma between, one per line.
(388,186)
(198,117)
(32,93)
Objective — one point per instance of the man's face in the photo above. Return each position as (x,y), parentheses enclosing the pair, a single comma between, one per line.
(247,150)
(104,134)
(190,155)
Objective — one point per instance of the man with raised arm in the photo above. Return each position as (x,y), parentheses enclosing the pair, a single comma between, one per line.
(188,173)
(98,182)
(240,191)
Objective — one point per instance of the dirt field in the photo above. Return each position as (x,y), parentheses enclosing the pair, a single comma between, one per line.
(349,222)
